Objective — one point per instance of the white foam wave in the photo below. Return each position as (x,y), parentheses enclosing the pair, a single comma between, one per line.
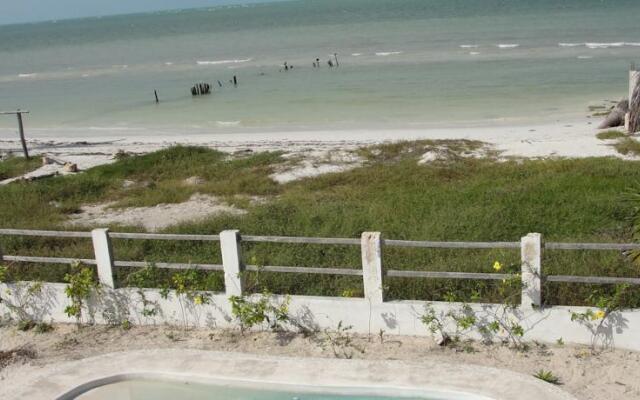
(474,53)
(469,46)
(356,54)
(508,45)
(603,45)
(220,62)
(584,57)
(168,63)
(388,53)
(228,123)
(26,75)
(570,44)
(110,128)
(633,44)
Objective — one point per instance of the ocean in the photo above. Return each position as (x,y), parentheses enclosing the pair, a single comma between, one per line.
(402,64)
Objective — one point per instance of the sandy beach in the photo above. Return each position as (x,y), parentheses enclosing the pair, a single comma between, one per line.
(571,139)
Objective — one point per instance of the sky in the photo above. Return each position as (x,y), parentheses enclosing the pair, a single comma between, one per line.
(19,11)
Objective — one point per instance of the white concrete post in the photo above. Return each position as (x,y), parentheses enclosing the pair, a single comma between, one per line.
(372,269)
(104,256)
(531,253)
(627,122)
(232,262)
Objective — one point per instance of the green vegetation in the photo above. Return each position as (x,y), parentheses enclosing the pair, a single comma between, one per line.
(628,147)
(547,376)
(158,178)
(461,198)
(81,284)
(610,135)
(264,310)
(452,325)
(16,166)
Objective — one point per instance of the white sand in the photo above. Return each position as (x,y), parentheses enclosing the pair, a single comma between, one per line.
(153,218)
(553,139)
(310,163)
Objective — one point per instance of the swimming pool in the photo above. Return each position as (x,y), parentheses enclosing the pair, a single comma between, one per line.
(150,389)
(191,374)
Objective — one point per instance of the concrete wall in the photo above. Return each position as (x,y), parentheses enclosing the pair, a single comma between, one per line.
(113,306)
(368,315)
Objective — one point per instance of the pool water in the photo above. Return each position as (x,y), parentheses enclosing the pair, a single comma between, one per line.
(162,390)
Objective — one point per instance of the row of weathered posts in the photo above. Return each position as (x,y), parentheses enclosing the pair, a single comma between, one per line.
(372,270)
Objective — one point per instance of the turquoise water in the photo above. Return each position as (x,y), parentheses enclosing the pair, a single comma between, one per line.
(155,390)
(403,63)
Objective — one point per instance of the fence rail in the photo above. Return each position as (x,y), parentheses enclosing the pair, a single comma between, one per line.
(372,271)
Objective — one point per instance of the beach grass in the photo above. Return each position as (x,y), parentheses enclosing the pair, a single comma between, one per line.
(16,166)
(461,198)
(628,147)
(610,135)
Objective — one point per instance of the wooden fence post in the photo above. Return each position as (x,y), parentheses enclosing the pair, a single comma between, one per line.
(104,256)
(531,255)
(372,268)
(232,263)
(22,139)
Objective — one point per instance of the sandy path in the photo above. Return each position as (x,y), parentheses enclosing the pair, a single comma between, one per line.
(598,376)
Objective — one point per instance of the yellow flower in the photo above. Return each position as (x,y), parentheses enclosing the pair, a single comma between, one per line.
(497,266)
(198,300)
(599,314)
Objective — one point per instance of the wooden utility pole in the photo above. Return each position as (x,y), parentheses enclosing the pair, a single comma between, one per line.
(20,128)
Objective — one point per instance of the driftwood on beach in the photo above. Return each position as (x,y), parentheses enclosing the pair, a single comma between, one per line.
(616,116)
(201,89)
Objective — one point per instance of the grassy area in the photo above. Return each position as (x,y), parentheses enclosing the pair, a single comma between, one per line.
(157,178)
(628,147)
(16,166)
(462,198)
(610,135)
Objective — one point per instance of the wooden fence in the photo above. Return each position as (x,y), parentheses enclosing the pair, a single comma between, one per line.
(372,270)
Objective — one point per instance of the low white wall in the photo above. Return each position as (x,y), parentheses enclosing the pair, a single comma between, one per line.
(619,330)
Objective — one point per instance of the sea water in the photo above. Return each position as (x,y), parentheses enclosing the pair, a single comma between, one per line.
(402,64)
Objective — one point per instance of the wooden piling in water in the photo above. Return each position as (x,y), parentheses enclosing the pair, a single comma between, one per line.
(156,93)
(200,89)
